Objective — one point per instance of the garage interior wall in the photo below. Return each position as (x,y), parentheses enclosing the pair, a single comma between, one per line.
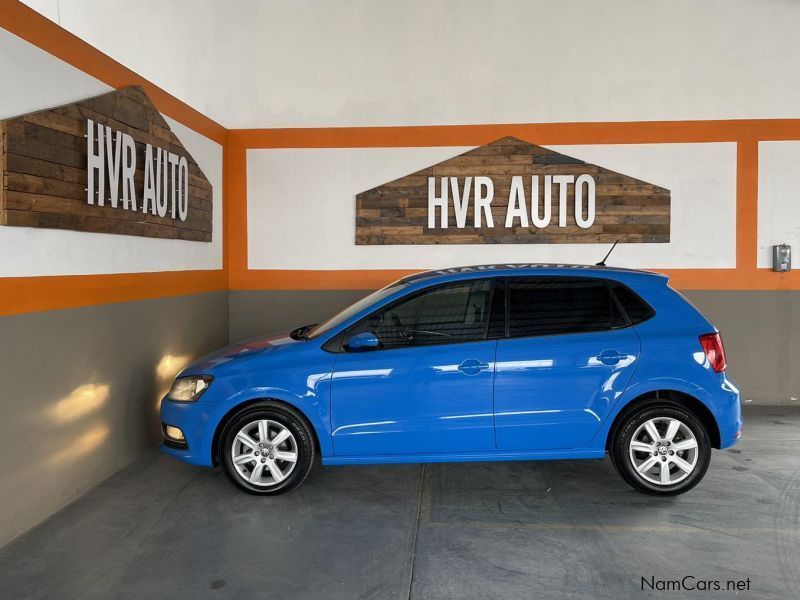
(717,256)
(94,327)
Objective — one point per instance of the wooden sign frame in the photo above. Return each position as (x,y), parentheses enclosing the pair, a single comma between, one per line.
(623,208)
(45,171)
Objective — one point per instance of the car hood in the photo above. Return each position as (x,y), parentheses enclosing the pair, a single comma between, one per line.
(249,348)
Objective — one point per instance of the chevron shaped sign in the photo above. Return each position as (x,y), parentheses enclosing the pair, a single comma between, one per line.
(513,192)
(108,164)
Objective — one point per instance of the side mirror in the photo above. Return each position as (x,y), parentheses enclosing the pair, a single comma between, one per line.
(365,340)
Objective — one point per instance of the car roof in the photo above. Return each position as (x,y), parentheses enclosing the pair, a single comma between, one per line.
(504,269)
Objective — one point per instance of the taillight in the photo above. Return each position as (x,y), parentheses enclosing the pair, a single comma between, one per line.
(715,352)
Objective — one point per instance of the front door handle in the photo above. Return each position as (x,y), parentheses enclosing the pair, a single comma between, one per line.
(472,366)
(610,357)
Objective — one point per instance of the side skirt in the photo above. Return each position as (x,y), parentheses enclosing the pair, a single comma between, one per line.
(461,457)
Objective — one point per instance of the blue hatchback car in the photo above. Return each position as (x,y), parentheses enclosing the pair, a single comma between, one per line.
(488,363)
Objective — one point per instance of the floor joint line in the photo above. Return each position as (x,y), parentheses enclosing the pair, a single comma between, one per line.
(416,532)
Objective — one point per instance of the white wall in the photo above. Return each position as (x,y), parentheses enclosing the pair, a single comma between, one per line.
(34,80)
(778,199)
(301,208)
(281,63)
(41,81)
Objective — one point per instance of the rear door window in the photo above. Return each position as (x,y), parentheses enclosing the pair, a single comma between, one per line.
(554,305)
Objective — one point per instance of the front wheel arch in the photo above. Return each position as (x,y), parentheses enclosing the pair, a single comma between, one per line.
(219,432)
(688,402)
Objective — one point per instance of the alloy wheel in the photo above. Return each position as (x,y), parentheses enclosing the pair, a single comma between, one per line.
(663,451)
(264,453)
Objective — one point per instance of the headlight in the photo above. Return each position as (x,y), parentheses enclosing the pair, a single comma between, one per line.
(189,389)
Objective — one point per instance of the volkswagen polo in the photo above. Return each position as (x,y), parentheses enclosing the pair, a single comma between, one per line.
(490,363)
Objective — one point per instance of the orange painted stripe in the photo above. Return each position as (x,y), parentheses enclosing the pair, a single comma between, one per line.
(743,132)
(643,132)
(235,250)
(40,31)
(732,279)
(683,279)
(315,280)
(747,207)
(33,294)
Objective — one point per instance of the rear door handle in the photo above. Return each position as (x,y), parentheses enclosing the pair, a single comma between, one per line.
(610,357)
(472,366)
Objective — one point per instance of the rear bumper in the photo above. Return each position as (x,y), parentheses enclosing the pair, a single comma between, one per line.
(727,408)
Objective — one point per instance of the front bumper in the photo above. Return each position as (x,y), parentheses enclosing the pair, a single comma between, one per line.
(198,421)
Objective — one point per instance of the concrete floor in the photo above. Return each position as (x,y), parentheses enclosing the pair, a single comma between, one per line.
(162,529)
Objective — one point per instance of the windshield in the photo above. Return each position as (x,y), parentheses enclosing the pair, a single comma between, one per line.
(354,309)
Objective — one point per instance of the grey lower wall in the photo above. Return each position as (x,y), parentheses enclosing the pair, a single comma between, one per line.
(80,393)
(761,330)
(258,312)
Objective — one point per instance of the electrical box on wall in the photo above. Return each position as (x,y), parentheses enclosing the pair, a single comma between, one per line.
(782,258)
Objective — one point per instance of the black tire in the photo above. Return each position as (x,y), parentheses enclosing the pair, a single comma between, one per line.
(303,442)
(623,435)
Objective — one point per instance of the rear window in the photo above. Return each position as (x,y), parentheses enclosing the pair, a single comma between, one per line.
(637,309)
(553,305)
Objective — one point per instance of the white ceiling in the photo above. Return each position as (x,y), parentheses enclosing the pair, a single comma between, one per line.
(266,63)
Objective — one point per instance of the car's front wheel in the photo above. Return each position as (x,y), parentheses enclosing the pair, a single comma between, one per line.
(267,449)
(661,449)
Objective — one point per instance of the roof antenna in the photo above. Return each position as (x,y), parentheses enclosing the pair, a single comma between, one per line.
(602,263)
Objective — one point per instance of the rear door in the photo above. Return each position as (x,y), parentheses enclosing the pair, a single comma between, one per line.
(569,355)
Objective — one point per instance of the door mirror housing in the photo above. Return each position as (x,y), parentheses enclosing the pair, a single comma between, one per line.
(365,340)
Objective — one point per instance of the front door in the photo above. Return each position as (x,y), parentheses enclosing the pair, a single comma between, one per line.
(568,358)
(428,387)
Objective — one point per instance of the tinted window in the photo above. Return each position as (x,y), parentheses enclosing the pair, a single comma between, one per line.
(497,315)
(457,312)
(636,308)
(354,309)
(551,305)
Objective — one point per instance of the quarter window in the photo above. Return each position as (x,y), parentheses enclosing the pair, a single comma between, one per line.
(457,312)
(553,305)
(636,308)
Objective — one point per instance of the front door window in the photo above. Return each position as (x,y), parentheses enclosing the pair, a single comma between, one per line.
(452,313)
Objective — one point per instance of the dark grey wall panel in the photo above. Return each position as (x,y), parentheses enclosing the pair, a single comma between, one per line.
(80,393)
(258,312)
(761,330)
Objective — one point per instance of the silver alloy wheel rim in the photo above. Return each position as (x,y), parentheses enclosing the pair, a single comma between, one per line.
(663,451)
(264,453)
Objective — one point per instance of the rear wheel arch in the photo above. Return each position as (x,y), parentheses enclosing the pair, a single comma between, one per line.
(668,396)
(219,432)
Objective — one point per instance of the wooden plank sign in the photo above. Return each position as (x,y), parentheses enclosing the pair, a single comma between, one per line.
(513,192)
(109,164)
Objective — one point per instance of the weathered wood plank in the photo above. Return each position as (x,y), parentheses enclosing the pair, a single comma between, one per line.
(3,167)
(96,224)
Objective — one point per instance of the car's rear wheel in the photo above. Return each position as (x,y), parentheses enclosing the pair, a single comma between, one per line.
(267,449)
(661,449)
